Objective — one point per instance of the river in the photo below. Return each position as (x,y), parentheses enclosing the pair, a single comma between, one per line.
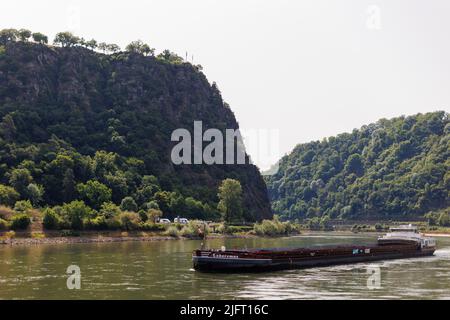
(163,270)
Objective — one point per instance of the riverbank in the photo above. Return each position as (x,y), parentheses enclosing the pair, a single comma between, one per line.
(37,239)
(58,237)
(438,235)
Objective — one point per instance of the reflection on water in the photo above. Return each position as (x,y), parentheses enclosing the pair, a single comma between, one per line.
(163,270)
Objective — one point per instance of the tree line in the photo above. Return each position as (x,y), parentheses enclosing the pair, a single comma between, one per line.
(390,169)
(94,209)
(68,39)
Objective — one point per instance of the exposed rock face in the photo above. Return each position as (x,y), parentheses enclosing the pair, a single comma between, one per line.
(123,103)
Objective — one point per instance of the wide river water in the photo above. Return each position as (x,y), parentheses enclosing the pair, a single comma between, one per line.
(163,270)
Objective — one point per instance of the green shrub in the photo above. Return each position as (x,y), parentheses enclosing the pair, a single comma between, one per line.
(314,224)
(97,223)
(224,228)
(268,228)
(109,210)
(74,213)
(143,215)
(4,225)
(10,234)
(129,221)
(8,196)
(23,206)
(444,219)
(128,204)
(113,224)
(20,222)
(70,233)
(154,214)
(274,228)
(51,220)
(173,231)
(290,228)
(194,229)
(6,212)
(150,226)
(94,193)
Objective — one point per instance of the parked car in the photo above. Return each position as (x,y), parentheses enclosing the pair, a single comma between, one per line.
(164,221)
(181,220)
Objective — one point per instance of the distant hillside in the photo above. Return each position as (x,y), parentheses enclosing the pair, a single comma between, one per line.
(392,168)
(69,115)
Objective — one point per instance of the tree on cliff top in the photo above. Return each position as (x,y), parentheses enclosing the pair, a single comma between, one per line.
(66,39)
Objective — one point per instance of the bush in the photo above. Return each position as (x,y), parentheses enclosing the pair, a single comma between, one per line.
(10,234)
(23,206)
(224,228)
(314,224)
(172,231)
(8,196)
(113,224)
(268,228)
(432,218)
(51,219)
(128,204)
(74,213)
(70,233)
(20,222)
(274,228)
(291,228)
(444,219)
(109,210)
(94,193)
(149,226)
(129,221)
(97,223)
(154,214)
(143,215)
(6,212)
(4,225)
(194,229)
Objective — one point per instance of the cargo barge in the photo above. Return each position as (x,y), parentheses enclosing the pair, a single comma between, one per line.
(399,243)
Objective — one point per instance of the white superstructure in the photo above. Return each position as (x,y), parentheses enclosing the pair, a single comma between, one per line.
(407,233)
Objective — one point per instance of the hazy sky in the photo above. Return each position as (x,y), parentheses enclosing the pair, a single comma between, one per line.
(309,69)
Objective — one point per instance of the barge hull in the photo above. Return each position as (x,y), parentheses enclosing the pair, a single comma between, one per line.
(214,264)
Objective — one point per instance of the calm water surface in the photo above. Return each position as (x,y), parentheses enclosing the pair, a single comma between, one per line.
(162,270)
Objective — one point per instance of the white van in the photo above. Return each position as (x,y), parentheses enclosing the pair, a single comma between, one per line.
(181,220)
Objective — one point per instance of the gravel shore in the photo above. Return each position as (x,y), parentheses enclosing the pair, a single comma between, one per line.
(62,240)
(102,239)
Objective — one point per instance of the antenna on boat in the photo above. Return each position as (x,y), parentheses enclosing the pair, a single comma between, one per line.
(202,234)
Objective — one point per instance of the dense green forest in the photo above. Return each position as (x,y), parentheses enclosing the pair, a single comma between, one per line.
(85,125)
(391,169)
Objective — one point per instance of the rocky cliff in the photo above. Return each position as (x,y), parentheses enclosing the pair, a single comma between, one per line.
(75,102)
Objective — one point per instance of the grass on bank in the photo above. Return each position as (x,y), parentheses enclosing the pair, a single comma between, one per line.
(76,219)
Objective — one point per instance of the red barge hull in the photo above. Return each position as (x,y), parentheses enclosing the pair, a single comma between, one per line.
(260,260)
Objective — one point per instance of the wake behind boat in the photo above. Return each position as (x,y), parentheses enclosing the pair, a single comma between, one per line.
(399,243)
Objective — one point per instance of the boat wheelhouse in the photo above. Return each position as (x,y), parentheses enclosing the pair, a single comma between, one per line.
(406,234)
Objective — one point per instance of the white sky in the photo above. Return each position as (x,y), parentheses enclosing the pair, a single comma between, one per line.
(309,69)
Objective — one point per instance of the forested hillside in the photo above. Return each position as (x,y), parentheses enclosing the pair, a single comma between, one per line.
(386,170)
(78,124)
